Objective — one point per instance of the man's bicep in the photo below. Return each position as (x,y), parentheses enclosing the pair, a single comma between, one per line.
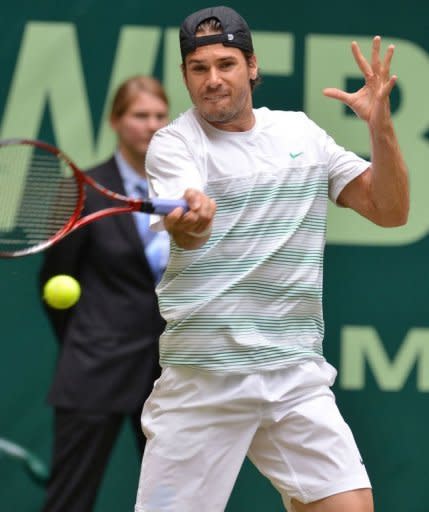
(356,194)
(171,168)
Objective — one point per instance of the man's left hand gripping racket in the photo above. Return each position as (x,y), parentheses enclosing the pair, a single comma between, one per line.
(42,194)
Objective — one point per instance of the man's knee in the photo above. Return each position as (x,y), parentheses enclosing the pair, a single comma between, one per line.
(359,500)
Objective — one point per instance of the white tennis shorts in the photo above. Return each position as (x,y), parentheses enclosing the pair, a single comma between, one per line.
(200,426)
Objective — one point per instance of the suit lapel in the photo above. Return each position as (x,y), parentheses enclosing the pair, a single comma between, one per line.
(125,222)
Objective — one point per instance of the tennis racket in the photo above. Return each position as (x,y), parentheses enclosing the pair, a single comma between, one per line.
(42,194)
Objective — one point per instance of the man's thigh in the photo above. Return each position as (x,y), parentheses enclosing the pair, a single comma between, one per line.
(305,447)
(196,443)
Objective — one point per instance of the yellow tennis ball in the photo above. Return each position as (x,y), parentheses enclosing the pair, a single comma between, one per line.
(61,291)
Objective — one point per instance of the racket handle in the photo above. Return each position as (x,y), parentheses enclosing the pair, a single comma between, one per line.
(165,206)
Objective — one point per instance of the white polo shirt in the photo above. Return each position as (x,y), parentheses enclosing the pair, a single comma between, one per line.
(251,297)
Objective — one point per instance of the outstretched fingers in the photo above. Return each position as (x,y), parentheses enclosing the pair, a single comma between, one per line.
(375,55)
(376,66)
(378,83)
(337,94)
(387,60)
(363,64)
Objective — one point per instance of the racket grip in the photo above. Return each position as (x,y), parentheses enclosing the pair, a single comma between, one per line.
(165,206)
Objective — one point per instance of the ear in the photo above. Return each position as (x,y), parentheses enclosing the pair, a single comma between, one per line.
(253,67)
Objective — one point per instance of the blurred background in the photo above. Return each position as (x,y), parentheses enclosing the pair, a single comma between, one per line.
(59,63)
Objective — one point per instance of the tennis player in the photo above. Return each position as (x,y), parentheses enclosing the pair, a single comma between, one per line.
(243,365)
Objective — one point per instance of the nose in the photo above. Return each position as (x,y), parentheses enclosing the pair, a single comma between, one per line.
(213,78)
(154,123)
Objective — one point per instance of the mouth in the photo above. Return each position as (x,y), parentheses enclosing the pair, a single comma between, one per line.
(215,98)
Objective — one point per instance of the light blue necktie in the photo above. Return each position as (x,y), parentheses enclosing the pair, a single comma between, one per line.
(156,244)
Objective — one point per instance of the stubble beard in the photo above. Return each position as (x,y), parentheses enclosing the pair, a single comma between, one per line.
(222,116)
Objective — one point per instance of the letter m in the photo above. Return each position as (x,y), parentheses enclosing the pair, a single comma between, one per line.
(361,348)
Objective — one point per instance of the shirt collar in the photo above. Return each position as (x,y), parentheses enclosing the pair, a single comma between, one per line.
(129,176)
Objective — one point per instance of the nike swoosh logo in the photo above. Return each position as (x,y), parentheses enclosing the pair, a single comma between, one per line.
(295,155)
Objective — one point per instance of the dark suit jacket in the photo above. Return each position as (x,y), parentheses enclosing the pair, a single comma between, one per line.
(109,339)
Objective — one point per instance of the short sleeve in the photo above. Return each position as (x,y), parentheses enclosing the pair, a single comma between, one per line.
(170,169)
(342,165)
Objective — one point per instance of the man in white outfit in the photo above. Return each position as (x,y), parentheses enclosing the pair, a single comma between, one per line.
(243,366)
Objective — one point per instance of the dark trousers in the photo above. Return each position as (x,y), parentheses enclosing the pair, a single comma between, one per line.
(82,446)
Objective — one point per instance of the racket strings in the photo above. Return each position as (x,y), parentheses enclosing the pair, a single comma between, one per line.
(38,196)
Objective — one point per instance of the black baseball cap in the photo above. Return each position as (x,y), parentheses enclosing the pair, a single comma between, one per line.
(236,32)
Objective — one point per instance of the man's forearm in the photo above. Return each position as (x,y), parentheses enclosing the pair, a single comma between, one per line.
(389,183)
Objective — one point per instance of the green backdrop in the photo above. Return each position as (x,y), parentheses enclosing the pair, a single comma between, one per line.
(60,60)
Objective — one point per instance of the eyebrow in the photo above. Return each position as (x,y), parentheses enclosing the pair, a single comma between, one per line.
(220,59)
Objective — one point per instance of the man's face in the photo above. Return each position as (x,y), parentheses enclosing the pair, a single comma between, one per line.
(217,78)
(144,116)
